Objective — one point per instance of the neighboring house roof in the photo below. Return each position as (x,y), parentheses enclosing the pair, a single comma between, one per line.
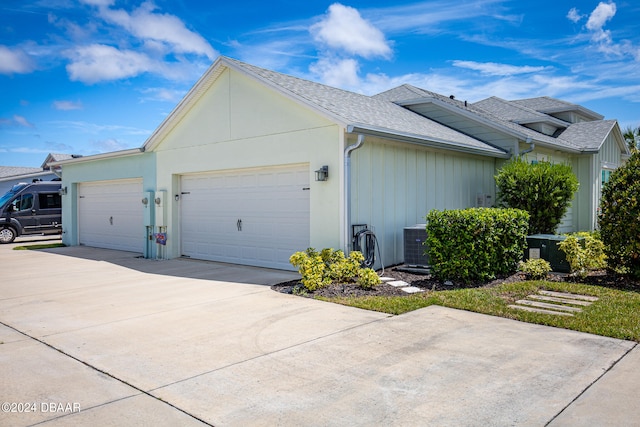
(356,112)
(548,105)
(13,171)
(56,157)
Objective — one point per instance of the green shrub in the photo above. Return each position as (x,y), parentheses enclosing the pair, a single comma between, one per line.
(619,217)
(585,257)
(312,268)
(321,269)
(367,278)
(345,269)
(476,244)
(543,189)
(535,269)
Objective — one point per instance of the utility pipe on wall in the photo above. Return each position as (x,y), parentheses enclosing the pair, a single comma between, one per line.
(347,190)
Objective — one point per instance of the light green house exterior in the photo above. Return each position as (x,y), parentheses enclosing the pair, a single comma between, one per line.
(230,175)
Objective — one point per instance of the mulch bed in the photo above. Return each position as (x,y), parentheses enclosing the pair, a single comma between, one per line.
(428,283)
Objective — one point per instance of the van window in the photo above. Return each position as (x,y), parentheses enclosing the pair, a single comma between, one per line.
(23,202)
(50,200)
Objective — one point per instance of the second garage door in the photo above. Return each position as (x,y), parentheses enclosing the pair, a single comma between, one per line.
(110,215)
(255,217)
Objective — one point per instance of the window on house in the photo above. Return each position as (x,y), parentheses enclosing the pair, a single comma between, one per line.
(606,174)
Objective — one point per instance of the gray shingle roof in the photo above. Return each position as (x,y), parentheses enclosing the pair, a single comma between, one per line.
(548,105)
(589,135)
(352,108)
(420,95)
(9,171)
(516,113)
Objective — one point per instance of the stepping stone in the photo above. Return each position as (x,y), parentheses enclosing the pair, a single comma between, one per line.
(540,310)
(548,306)
(398,283)
(562,300)
(412,289)
(570,296)
(387,279)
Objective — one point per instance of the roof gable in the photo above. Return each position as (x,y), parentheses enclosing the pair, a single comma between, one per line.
(348,109)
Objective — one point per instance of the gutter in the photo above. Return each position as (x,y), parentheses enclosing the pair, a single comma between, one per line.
(108,155)
(347,187)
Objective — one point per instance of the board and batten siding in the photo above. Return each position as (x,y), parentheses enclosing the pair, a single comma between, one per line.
(394,186)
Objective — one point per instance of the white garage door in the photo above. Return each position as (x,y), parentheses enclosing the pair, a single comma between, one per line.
(255,217)
(110,215)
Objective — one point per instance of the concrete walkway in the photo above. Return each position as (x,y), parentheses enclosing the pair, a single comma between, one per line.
(99,337)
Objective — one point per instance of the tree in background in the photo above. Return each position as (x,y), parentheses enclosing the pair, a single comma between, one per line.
(543,189)
(632,137)
(618,218)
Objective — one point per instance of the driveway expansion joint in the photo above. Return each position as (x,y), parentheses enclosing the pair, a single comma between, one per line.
(96,369)
(593,383)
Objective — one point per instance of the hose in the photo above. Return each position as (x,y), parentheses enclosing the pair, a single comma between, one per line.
(368,249)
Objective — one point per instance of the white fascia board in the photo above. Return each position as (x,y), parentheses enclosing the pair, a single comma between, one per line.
(101,156)
(425,141)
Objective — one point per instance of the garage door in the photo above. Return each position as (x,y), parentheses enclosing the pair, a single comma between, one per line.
(253,217)
(110,215)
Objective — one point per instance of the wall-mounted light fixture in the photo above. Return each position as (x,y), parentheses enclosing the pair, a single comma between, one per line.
(322,174)
(62,191)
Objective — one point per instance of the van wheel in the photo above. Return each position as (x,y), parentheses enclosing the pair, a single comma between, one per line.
(7,235)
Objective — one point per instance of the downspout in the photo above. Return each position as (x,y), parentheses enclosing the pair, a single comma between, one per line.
(532,145)
(347,190)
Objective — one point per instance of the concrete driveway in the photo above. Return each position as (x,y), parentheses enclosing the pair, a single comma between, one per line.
(99,337)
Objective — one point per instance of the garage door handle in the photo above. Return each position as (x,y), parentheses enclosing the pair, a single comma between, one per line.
(239,225)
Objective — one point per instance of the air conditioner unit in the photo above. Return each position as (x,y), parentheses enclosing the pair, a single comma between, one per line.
(414,248)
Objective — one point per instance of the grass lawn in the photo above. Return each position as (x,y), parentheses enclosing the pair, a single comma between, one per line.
(616,314)
(39,246)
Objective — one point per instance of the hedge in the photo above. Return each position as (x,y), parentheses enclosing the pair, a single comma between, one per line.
(476,244)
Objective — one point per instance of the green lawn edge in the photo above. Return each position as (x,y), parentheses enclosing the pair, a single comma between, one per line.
(40,246)
(616,314)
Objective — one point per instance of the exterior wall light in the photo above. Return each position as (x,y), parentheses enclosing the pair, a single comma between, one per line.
(322,174)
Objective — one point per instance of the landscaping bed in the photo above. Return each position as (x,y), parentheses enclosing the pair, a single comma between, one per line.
(428,283)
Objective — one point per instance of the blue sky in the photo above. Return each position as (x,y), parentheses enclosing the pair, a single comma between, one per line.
(91,76)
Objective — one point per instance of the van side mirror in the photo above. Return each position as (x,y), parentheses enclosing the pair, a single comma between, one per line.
(11,207)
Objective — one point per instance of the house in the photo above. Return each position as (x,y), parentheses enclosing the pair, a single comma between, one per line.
(253,165)
(12,175)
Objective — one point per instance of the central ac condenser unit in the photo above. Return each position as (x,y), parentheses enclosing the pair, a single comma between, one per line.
(414,247)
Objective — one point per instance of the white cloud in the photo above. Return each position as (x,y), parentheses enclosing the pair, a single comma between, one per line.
(22,121)
(95,63)
(67,105)
(15,61)
(110,144)
(597,20)
(574,15)
(344,29)
(495,69)
(337,72)
(600,15)
(170,30)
